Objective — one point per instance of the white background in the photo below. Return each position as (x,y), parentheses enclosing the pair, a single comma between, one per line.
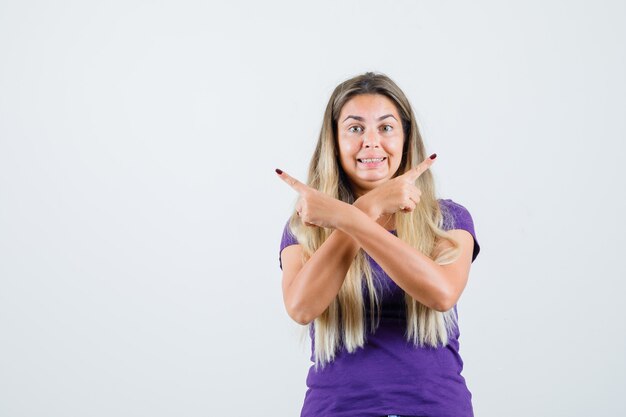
(140,215)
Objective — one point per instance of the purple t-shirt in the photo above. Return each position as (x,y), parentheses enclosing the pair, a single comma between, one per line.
(389,375)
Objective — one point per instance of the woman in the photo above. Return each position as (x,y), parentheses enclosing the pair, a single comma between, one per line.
(374,263)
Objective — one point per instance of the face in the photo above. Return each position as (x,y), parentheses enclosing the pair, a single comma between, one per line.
(370,140)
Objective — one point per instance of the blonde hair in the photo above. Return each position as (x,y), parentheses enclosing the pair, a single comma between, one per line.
(343,322)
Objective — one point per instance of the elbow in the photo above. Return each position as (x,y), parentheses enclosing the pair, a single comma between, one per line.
(442,307)
(299,315)
(302,320)
(445,302)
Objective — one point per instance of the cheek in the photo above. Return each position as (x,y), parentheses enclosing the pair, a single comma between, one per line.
(395,146)
(347,149)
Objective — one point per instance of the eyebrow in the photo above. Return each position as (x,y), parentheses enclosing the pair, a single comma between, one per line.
(359,118)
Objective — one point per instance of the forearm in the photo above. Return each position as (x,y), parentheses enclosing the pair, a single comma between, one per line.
(321,277)
(411,270)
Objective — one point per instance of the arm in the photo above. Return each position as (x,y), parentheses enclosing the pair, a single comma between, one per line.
(309,288)
(436,286)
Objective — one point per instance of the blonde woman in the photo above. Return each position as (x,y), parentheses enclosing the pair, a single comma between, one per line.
(374,264)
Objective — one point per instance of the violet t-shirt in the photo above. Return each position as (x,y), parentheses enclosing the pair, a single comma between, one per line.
(390,375)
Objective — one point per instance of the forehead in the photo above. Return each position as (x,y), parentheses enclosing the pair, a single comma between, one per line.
(369,106)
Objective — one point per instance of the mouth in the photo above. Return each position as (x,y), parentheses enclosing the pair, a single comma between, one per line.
(371,160)
(372,163)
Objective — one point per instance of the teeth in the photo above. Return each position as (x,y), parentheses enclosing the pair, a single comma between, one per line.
(370,160)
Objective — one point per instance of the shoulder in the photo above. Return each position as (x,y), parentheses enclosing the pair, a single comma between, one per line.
(287,239)
(457,216)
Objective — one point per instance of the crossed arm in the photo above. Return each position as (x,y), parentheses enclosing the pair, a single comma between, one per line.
(309,288)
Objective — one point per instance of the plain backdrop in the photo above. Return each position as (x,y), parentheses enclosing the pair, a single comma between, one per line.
(140,215)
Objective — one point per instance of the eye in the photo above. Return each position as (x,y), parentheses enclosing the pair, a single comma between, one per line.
(355,129)
(387,128)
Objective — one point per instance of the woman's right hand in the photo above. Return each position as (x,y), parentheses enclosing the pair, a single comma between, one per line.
(397,194)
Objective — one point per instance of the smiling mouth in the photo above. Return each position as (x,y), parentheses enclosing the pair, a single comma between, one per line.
(371,160)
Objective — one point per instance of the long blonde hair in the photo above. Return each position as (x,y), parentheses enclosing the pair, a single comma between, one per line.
(343,322)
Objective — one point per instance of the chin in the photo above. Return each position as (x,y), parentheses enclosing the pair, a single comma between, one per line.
(371,183)
(374,177)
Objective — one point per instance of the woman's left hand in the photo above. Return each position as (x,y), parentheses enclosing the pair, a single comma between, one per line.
(399,194)
(314,207)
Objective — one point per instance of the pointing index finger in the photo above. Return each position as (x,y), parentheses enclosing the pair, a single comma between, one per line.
(291,181)
(415,172)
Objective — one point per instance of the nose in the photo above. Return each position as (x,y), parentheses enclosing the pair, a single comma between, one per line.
(371,140)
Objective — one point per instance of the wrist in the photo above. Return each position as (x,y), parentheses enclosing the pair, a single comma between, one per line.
(350,218)
(366,208)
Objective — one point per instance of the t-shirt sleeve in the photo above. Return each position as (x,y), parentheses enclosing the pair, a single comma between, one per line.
(287,239)
(458,217)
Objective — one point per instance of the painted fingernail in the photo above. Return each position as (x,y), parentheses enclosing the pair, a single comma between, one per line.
(279,171)
(433,156)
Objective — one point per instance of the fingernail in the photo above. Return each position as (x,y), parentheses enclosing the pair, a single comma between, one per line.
(279,171)
(433,156)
